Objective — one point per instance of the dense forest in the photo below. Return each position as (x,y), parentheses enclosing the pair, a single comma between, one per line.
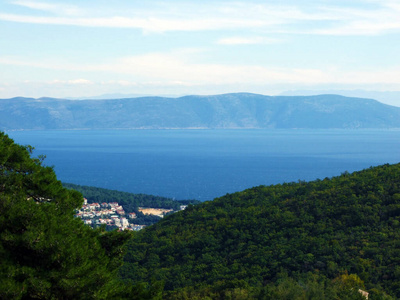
(45,252)
(129,201)
(334,238)
(307,238)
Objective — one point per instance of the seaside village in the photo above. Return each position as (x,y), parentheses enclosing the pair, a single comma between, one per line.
(113,214)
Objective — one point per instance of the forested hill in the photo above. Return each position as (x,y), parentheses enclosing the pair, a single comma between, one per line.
(320,239)
(240,110)
(129,201)
(45,252)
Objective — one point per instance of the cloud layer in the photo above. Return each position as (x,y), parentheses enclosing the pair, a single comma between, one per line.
(216,16)
(82,47)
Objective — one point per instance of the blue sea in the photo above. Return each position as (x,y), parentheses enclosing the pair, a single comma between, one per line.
(205,164)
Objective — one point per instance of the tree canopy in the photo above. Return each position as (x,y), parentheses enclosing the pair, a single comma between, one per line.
(45,252)
(129,201)
(325,228)
(325,239)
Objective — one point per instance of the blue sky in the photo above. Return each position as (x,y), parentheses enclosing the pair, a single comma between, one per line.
(87,48)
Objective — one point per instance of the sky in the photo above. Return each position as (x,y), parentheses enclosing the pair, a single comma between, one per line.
(95,47)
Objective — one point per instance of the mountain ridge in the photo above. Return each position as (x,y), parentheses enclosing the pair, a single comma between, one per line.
(225,111)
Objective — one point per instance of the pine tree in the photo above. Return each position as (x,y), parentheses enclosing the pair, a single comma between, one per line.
(45,252)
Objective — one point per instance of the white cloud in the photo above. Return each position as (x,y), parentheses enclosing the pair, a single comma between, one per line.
(51,64)
(350,21)
(62,9)
(217,16)
(80,81)
(237,40)
(150,24)
(174,68)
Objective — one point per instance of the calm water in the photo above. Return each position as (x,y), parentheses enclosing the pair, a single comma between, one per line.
(204,164)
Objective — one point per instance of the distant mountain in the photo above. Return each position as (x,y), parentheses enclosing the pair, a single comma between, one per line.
(110,96)
(387,97)
(241,110)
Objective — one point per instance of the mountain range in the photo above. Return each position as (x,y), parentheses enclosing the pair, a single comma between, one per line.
(226,111)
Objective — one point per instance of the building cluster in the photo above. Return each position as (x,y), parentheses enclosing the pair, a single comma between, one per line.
(109,214)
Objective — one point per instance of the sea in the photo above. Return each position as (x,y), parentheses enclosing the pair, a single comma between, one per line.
(205,164)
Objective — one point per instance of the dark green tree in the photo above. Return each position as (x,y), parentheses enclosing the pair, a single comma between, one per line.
(343,225)
(45,252)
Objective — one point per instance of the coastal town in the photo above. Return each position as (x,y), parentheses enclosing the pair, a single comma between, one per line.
(113,215)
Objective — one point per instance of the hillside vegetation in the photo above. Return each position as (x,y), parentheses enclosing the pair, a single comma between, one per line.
(129,201)
(45,252)
(240,110)
(326,238)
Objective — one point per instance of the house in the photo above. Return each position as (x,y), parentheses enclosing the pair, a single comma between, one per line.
(132,215)
(104,204)
(137,227)
(124,222)
(100,221)
(120,212)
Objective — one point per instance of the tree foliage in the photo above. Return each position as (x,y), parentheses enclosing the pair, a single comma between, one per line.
(45,252)
(242,242)
(325,239)
(129,201)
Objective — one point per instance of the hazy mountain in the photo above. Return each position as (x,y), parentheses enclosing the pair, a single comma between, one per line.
(387,97)
(110,96)
(241,110)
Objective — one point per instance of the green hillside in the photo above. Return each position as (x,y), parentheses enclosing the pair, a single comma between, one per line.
(45,252)
(326,239)
(129,201)
(330,236)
